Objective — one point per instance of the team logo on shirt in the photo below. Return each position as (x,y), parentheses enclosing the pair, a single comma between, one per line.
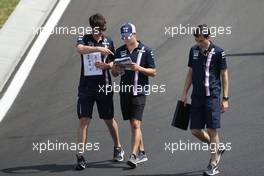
(223,55)
(105,42)
(152,54)
(123,53)
(195,54)
(80,38)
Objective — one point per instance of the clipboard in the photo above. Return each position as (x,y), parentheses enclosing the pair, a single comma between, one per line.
(181,116)
(89,61)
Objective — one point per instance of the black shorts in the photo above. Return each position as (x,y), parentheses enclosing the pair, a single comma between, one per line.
(132,107)
(104,104)
(205,112)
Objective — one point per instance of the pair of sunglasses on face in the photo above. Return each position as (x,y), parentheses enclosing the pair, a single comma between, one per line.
(103,29)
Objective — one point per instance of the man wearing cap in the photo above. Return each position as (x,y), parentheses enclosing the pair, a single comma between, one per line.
(97,55)
(133,86)
(207,66)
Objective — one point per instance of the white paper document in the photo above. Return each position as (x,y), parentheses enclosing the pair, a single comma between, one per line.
(89,64)
(123,61)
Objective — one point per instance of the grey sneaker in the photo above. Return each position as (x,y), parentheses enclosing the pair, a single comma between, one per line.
(132,161)
(211,170)
(141,157)
(118,154)
(81,163)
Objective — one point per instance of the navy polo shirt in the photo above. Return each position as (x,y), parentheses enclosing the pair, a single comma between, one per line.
(92,82)
(198,61)
(128,78)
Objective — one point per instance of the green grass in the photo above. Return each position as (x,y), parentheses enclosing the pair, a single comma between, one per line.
(6,8)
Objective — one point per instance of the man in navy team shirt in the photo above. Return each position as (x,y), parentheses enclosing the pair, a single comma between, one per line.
(207,66)
(97,55)
(134,86)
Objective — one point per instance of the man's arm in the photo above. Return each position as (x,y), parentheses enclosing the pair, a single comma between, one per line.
(146,71)
(104,66)
(83,49)
(149,68)
(187,85)
(225,83)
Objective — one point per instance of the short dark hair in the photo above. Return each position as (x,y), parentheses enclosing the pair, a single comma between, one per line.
(202,30)
(98,20)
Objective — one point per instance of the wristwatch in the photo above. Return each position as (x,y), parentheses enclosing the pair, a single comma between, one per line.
(225,98)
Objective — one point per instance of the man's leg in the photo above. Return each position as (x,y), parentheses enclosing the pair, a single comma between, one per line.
(82,133)
(141,144)
(212,168)
(105,106)
(113,129)
(201,135)
(198,122)
(84,111)
(137,142)
(213,114)
(214,144)
(136,135)
(82,140)
(132,109)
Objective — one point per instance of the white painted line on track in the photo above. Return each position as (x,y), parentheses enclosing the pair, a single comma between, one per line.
(24,70)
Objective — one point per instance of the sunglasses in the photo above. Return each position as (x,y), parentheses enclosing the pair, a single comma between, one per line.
(102,29)
(126,37)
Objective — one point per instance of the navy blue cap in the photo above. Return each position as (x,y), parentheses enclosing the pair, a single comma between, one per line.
(127,30)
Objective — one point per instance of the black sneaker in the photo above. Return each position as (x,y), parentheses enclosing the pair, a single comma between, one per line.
(81,163)
(141,157)
(220,152)
(132,161)
(211,170)
(118,154)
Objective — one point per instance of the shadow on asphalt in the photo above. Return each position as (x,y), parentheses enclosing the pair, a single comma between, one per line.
(53,168)
(191,173)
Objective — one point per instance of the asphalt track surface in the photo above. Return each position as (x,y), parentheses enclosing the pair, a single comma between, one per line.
(45,108)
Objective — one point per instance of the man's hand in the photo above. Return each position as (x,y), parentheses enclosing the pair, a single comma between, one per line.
(184,98)
(225,83)
(146,71)
(135,67)
(187,85)
(116,67)
(102,65)
(83,49)
(224,106)
(116,70)
(104,50)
